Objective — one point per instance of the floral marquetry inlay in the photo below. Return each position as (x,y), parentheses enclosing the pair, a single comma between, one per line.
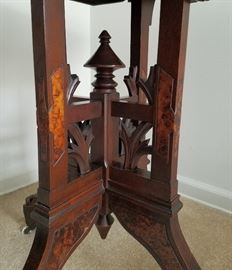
(68,236)
(56,114)
(165,115)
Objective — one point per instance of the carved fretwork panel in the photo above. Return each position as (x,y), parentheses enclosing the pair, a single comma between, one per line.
(134,84)
(136,147)
(131,83)
(73,84)
(158,90)
(80,139)
(134,144)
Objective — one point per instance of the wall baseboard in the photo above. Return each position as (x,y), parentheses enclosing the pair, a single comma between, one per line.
(17,182)
(207,194)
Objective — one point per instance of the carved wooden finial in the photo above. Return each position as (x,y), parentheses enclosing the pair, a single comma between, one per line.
(104,37)
(105,62)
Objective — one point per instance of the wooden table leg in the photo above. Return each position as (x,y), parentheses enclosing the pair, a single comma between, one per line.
(147,204)
(66,209)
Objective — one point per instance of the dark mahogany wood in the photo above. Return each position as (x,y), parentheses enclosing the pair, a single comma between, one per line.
(28,207)
(70,188)
(132,111)
(98,2)
(93,152)
(105,128)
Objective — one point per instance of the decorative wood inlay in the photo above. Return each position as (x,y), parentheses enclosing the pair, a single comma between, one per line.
(56,114)
(145,203)
(81,138)
(148,231)
(66,237)
(165,115)
(134,145)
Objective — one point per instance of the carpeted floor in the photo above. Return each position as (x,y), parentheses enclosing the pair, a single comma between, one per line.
(208,232)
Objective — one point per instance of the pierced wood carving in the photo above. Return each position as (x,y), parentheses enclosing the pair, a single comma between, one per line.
(135,146)
(80,139)
(148,86)
(56,114)
(131,83)
(134,83)
(158,89)
(74,82)
(66,237)
(165,115)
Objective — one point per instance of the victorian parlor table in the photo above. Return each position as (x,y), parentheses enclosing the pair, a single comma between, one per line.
(93,151)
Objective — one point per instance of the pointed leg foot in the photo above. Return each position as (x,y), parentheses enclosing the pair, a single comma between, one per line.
(160,234)
(104,224)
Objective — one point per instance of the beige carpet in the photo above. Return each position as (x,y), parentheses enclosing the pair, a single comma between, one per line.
(208,232)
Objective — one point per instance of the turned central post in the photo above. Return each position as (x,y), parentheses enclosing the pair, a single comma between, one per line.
(104,149)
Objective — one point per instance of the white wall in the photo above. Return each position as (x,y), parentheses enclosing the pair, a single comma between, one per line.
(206,138)
(106,18)
(78,43)
(18,143)
(205,164)
(18,151)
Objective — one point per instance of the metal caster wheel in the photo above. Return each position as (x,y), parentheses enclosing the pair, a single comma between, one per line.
(26,230)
